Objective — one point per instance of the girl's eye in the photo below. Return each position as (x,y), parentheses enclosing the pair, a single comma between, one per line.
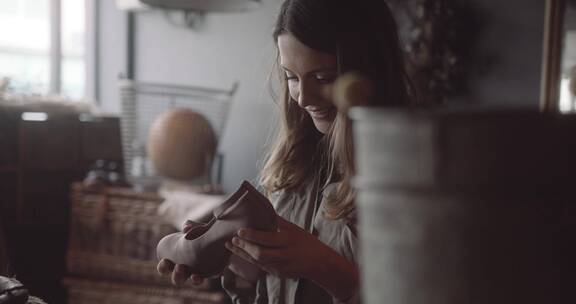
(291,78)
(324,79)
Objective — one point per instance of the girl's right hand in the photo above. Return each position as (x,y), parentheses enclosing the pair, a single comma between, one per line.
(180,273)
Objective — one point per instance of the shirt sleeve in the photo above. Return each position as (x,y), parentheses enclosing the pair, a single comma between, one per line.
(261,291)
(350,252)
(237,296)
(344,239)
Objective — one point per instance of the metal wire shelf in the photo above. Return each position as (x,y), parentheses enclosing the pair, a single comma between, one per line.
(142,102)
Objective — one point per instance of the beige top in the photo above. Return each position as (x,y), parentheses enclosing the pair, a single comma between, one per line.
(303,209)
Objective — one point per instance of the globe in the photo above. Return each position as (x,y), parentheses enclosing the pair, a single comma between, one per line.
(181,144)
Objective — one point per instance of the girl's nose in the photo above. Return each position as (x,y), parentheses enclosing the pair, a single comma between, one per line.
(305,95)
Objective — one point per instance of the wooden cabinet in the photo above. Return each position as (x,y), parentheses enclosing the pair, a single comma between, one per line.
(99,139)
(45,196)
(9,193)
(8,136)
(50,145)
(38,162)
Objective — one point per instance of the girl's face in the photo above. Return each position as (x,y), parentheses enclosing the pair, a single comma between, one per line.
(310,75)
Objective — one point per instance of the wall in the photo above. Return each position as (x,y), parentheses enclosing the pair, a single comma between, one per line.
(112,54)
(224,49)
(509,53)
(238,47)
(569,55)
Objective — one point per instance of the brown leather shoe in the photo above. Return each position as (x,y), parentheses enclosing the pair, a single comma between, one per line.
(202,247)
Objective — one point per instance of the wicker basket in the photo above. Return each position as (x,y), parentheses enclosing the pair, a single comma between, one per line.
(113,235)
(98,292)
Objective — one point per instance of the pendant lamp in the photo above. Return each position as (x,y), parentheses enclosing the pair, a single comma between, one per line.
(206,5)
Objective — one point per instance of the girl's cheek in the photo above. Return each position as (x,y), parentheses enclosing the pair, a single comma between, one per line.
(327,93)
(293,91)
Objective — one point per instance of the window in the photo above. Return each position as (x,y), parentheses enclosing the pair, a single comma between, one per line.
(42,46)
(568,73)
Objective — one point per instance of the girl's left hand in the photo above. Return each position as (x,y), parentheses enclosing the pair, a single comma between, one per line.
(290,252)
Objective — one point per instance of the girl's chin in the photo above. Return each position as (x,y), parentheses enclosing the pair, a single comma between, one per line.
(323,122)
(322,125)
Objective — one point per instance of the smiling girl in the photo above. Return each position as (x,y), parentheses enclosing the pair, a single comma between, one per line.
(313,257)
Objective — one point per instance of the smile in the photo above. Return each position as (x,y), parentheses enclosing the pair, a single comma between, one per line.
(321,114)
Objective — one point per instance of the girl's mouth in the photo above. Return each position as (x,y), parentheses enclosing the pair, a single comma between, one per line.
(321,113)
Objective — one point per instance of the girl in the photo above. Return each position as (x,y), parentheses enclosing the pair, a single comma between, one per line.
(313,256)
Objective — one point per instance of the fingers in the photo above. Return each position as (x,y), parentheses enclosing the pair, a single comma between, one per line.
(196,280)
(165,267)
(188,225)
(241,253)
(244,269)
(254,253)
(261,258)
(180,274)
(269,238)
(264,238)
(235,270)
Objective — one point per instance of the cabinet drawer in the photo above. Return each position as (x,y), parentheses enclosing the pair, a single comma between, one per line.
(8,196)
(100,139)
(46,196)
(49,145)
(8,138)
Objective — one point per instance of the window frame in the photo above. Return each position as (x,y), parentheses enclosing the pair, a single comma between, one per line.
(55,55)
(55,79)
(92,54)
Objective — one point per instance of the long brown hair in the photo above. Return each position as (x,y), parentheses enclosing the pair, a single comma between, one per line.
(362,34)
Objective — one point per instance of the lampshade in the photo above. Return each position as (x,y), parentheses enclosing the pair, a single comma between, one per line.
(206,5)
